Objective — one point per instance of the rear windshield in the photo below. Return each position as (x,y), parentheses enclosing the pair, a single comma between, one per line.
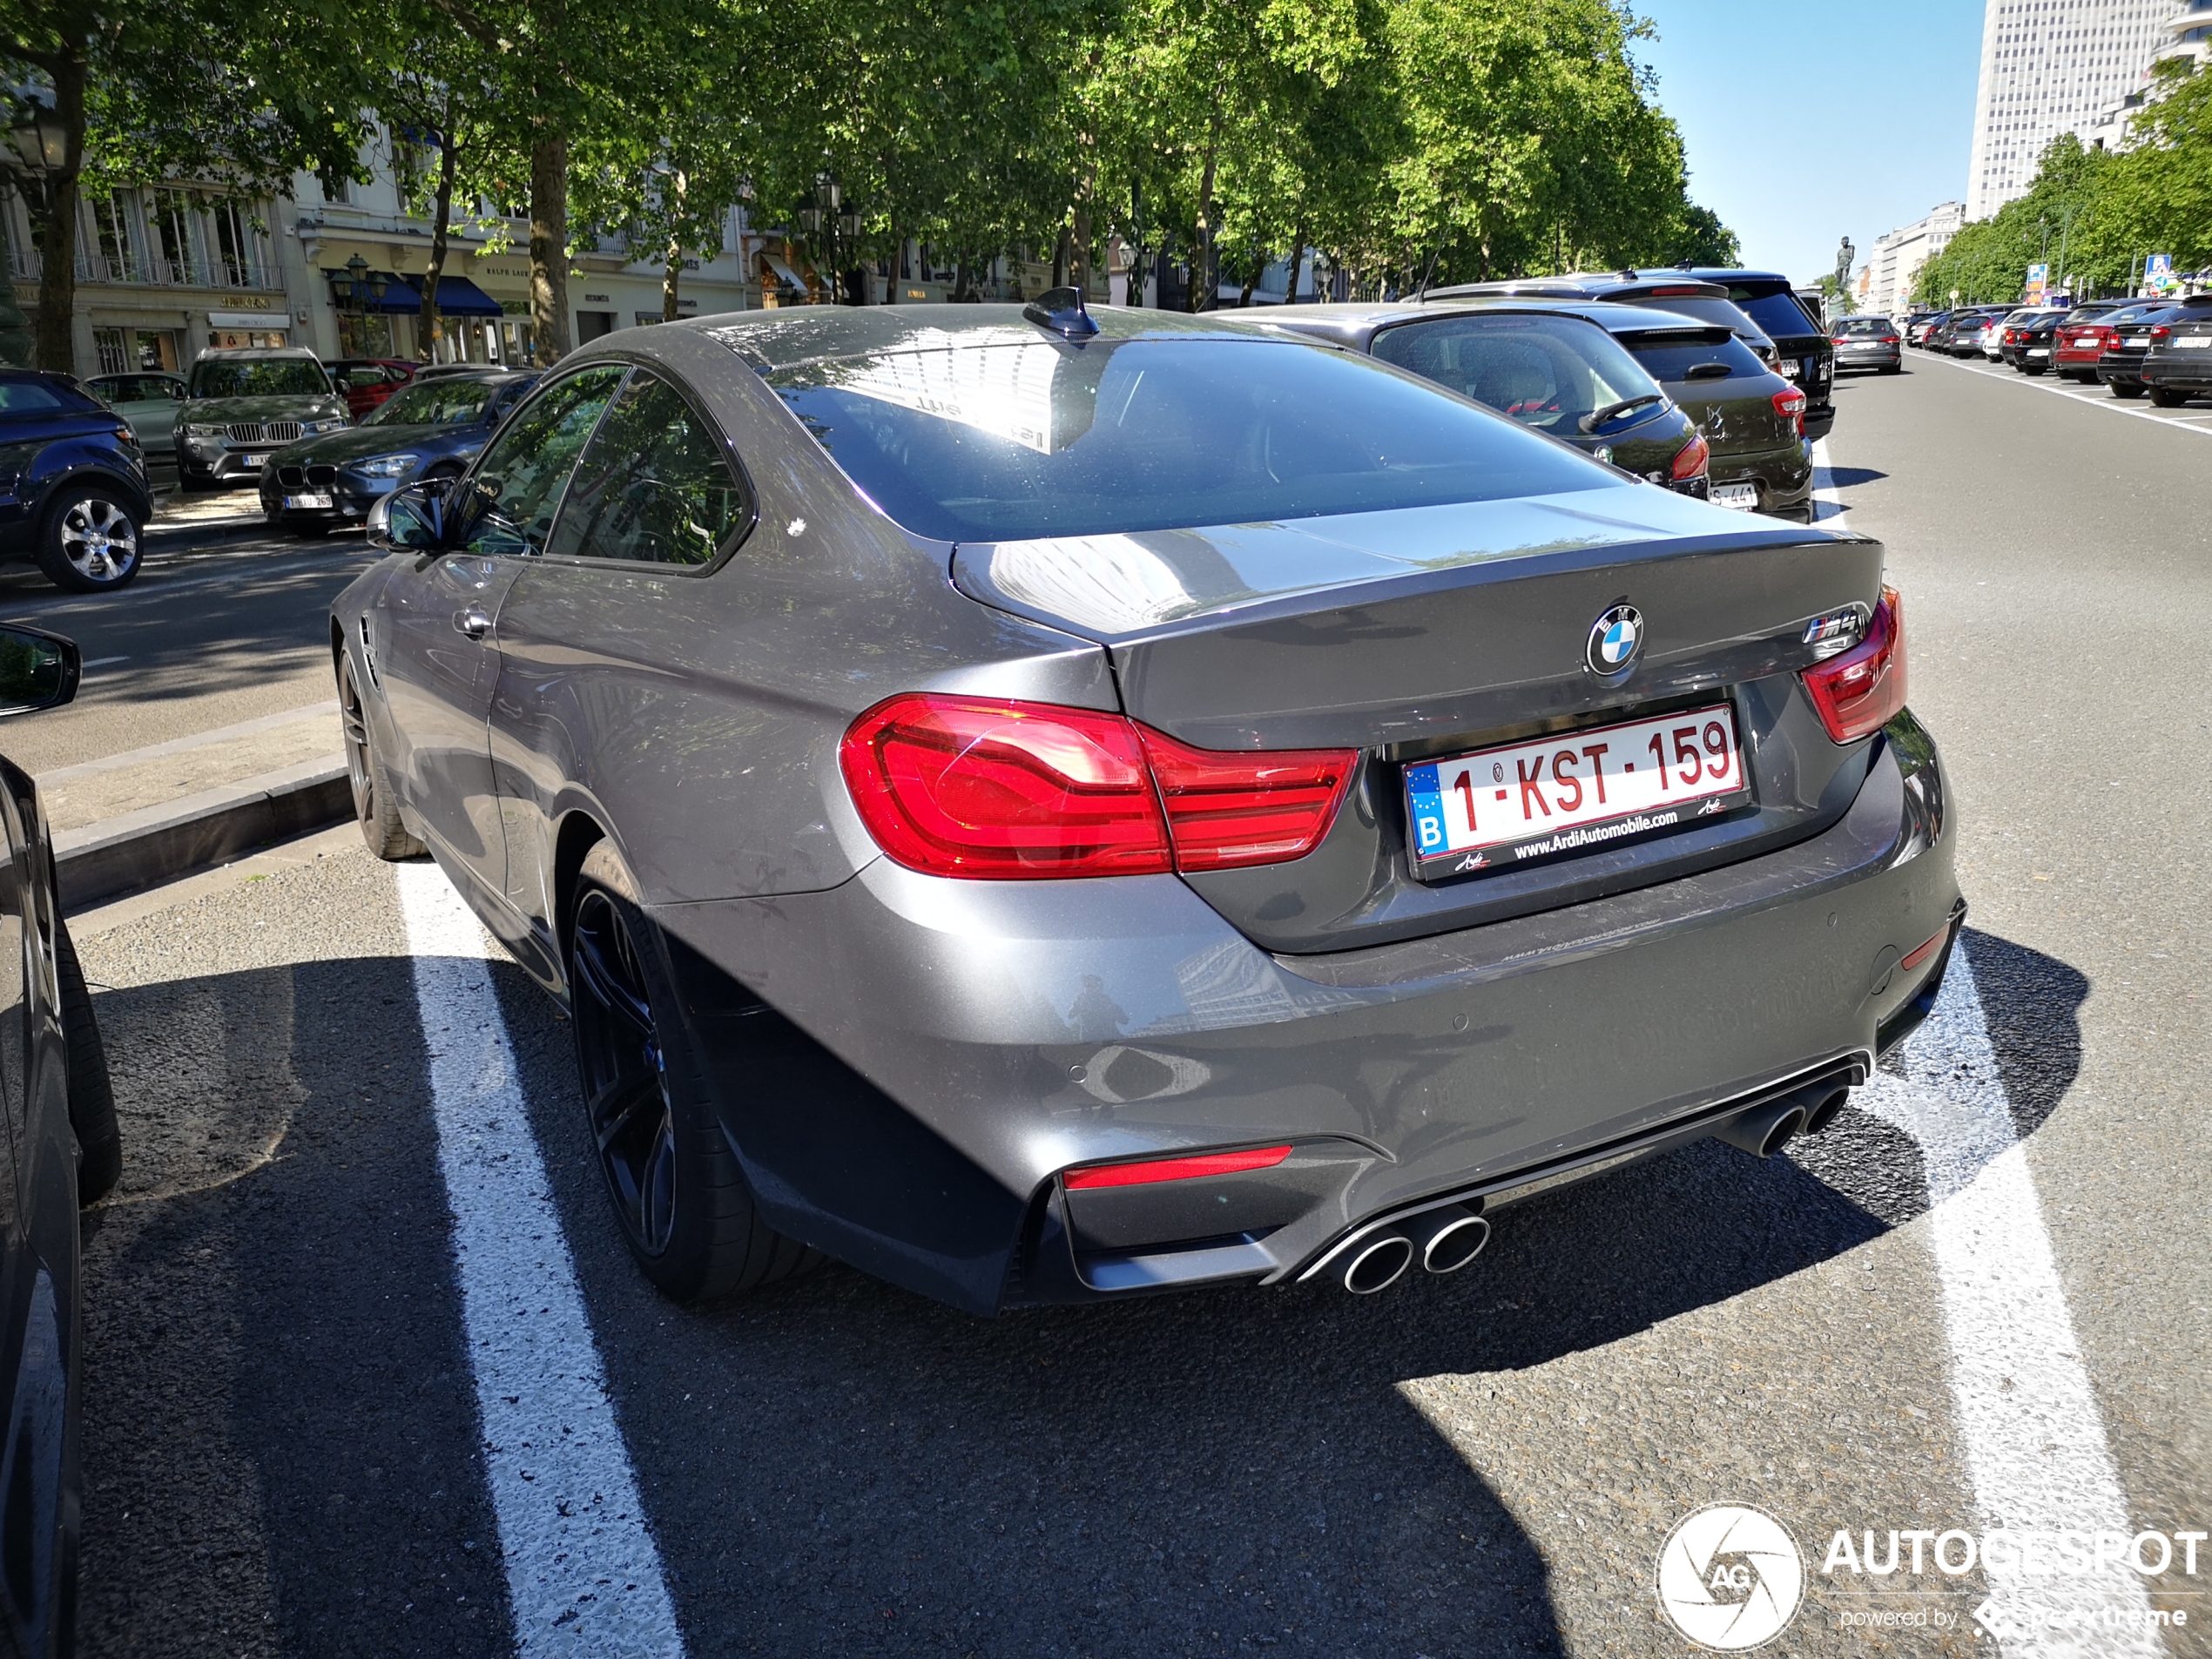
(1723,311)
(2133,314)
(436,403)
(1672,359)
(278,377)
(1779,313)
(1007,440)
(1544,372)
(1874,325)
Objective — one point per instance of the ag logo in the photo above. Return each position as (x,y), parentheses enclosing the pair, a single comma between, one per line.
(1730,1577)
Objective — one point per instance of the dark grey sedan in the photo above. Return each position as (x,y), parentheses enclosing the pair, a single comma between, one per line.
(1049,809)
(1868,342)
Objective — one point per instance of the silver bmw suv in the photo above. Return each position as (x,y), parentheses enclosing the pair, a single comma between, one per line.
(241,406)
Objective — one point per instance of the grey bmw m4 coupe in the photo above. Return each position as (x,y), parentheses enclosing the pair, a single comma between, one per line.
(1047,807)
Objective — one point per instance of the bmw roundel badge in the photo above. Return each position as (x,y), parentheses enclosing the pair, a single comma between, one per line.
(1615,639)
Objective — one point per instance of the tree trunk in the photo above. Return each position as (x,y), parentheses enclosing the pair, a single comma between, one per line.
(1201,297)
(673,273)
(56,349)
(549,250)
(431,326)
(1252,274)
(1079,250)
(1298,257)
(1060,260)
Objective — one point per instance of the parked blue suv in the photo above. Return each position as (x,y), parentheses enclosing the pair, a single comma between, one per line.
(431,428)
(73,492)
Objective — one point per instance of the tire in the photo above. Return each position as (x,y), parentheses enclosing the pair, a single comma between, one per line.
(376,806)
(1893,369)
(2165,397)
(92,1095)
(307,530)
(90,543)
(2031,368)
(2126,389)
(673,1183)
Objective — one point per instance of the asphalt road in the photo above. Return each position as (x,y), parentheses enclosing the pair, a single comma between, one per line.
(205,637)
(282,1447)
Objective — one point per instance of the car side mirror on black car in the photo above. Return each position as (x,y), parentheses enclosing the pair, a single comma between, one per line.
(37,670)
(412,519)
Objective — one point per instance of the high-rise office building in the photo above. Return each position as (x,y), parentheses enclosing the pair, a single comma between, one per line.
(2054,66)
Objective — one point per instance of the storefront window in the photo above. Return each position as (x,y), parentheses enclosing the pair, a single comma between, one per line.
(364,336)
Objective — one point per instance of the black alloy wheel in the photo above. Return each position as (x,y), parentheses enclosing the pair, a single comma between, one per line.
(375,807)
(624,1072)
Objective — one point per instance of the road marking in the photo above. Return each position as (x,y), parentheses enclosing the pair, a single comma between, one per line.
(582,1568)
(2111,406)
(105,662)
(2026,1414)
(1823,491)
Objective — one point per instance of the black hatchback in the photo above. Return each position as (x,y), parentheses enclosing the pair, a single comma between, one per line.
(431,428)
(73,492)
(1555,370)
(2120,365)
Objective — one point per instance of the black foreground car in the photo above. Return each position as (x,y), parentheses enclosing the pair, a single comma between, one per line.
(2120,365)
(1801,353)
(431,428)
(62,1149)
(73,492)
(1552,368)
(2177,366)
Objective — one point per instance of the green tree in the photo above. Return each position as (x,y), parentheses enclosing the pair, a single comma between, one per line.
(143,90)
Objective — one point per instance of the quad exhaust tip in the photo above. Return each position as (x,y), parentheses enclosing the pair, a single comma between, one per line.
(1765,1130)
(1443,1240)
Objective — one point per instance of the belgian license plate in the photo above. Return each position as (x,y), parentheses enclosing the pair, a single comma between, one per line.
(1745,498)
(2193,343)
(251,460)
(2039,350)
(313,498)
(1573,791)
(2137,340)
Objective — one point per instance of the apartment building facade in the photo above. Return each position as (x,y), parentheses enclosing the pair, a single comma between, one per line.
(1895,259)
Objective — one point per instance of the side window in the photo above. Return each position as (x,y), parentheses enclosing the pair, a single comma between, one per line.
(656,486)
(516,489)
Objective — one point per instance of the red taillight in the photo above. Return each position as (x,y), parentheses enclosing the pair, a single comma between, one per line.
(1227,809)
(1890,339)
(1010,791)
(1693,458)
(2161,332)
(1790,404)
(1189,1169)
(1862,689)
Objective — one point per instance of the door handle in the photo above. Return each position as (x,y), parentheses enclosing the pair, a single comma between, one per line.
(475,621)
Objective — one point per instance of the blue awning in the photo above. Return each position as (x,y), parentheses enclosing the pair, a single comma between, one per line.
(457,295)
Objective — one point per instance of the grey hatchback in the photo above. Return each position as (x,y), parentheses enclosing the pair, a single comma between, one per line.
(1050,809)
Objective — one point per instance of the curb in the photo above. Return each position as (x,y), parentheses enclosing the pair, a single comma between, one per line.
(180,838)
(161,538)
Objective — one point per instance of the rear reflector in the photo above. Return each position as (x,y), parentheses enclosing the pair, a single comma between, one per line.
(1691,461)
(1923,952)
(1863,689)
(1013,791)
(1190,1169)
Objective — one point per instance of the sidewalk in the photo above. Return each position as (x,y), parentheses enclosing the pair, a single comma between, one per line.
(128,820)
(192,521)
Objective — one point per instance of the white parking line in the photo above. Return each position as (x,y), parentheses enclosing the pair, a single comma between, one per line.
(2111,406)
(2026,1415)
(582,1568)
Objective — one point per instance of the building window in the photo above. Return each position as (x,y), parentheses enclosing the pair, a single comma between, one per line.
(111,239)
(108,345)
(238,246)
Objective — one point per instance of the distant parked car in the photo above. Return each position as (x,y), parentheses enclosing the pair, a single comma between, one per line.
(2083,334)
(1966,334)
(1554,369)
(148,401)
(73,490)
(1917,328)
(366,381)
(430,429)
(1867,342)
(2120,365)
(242,406)
(1993,337)
(2026,340)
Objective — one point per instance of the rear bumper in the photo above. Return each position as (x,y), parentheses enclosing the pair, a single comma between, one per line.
(2178,370)
(906,1064)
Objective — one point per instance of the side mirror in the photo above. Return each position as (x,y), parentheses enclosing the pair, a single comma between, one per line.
(37,670)
(410,520)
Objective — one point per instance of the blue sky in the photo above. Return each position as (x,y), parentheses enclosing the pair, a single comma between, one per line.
(1804,123)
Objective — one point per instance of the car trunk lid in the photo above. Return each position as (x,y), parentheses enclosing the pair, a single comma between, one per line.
(1426,632)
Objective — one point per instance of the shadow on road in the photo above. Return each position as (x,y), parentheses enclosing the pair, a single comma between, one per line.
(282,1443)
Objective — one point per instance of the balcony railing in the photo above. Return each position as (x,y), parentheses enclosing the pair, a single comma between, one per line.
(23,265)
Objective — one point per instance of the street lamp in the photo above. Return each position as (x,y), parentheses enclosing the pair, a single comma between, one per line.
(41,141)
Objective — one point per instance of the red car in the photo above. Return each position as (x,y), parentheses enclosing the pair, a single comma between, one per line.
(2081,338)
(366,381)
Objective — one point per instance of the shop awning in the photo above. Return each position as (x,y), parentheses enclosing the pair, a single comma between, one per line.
(784,271)
(457,295)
